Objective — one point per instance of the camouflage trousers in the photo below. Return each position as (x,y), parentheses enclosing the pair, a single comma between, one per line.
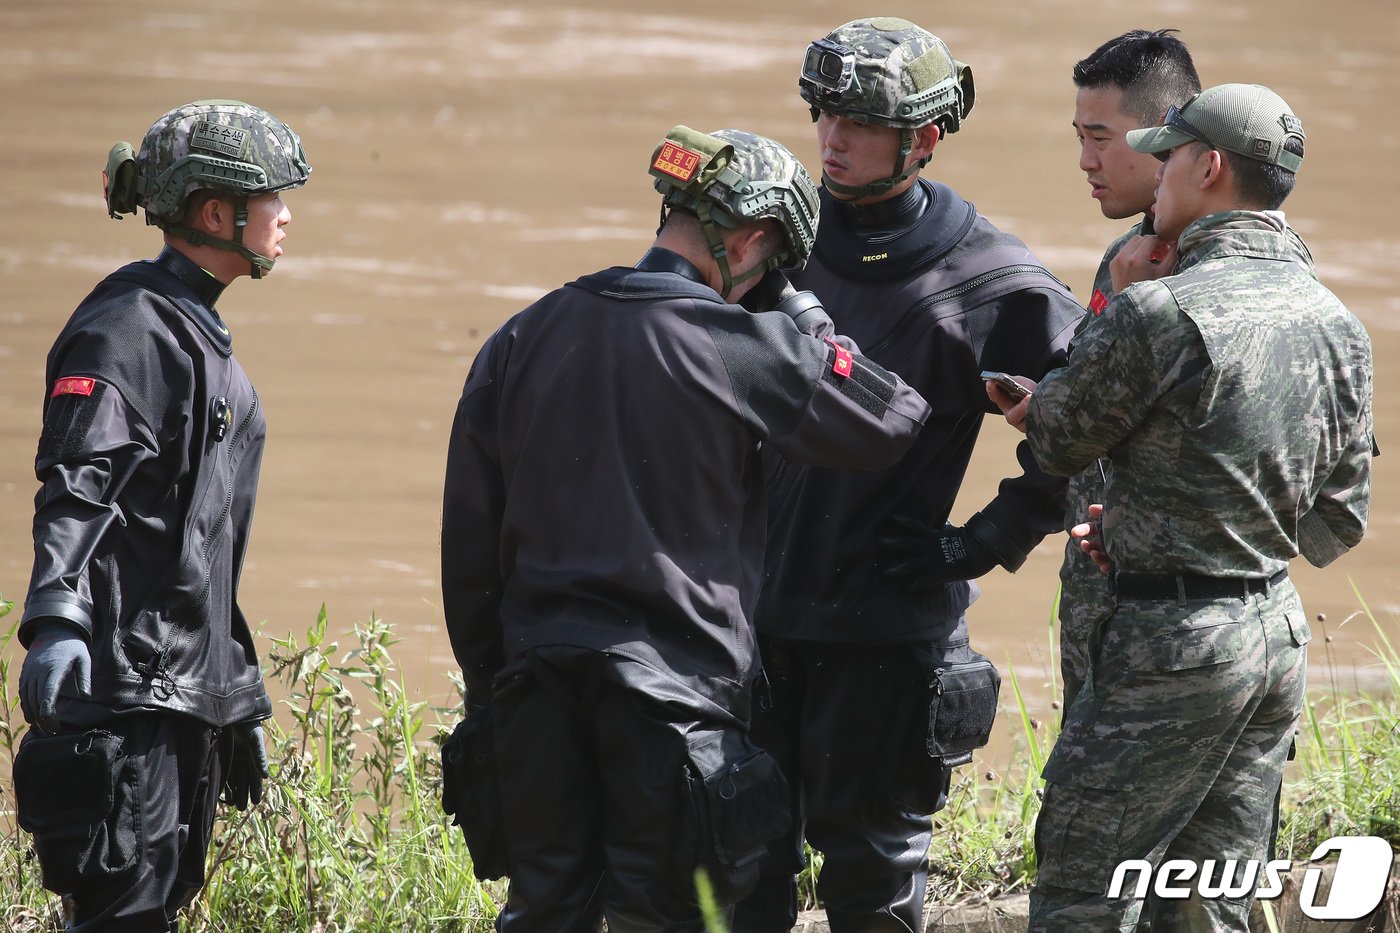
(1084,601)
(1084,591)
(1174,749)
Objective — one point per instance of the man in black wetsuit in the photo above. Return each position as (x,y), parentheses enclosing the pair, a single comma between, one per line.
(141,678)
(602,548)
(861,641)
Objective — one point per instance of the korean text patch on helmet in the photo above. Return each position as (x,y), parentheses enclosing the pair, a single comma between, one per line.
(689,160)
(228,141)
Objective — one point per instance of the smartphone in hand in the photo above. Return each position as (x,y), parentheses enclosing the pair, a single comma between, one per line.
(1006,382)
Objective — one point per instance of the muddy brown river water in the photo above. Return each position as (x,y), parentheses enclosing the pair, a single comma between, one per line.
(470,156)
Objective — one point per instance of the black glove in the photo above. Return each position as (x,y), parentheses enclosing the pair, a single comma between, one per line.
(247,765)
(772,289)
(923,558)
(59,649)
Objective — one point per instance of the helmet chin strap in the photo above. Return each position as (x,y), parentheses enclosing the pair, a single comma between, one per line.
(880,186)
(721,254)
(257,262)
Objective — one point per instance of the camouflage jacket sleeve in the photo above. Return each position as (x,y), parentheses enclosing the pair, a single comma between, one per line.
(1115,376)
(1337,519)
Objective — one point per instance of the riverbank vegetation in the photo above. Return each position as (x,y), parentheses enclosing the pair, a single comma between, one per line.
(350,835)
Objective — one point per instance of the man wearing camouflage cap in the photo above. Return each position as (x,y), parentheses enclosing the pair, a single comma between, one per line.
(141,678)
(602,548)
(858,645)
(1234,400)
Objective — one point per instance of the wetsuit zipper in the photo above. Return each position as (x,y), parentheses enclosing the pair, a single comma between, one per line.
(180,632)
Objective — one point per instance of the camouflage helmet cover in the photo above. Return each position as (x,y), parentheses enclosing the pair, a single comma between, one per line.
(222,144)
(890,72)
(739,178)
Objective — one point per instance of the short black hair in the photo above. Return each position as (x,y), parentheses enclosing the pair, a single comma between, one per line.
(1152,68)
(1263,184)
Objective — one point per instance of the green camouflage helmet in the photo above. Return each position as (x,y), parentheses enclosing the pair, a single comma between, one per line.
(889,72)
(223,144)
(731,178)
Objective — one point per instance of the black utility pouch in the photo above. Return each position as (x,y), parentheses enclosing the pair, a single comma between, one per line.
(77,795)
(471,792)
(962,708)
(743,806)
(962,704)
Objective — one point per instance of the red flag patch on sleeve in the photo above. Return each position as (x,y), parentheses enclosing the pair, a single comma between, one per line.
(1097,302)
(845,360)
(677,161)
(73,385)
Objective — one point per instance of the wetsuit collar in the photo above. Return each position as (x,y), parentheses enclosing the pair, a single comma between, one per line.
(915,230)
(897,213)
(659,259)
(206,290)
(205,287)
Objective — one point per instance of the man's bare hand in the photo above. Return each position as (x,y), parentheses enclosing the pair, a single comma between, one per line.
(1089,534)
(1012,407)
(1142,258)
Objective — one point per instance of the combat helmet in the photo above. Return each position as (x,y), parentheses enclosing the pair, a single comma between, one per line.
(889,72)
(225,145)
(729,178)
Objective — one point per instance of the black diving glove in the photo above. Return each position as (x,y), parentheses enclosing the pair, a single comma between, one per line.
(924,558)
(247,765)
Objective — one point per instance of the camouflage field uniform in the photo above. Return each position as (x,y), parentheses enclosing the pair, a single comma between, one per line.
(1224,396)
(1084,593)
(1085,596)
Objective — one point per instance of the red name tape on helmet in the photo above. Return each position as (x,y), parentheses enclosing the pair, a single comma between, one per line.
(677,161)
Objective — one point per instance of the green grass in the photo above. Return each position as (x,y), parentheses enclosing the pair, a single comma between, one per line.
(351,837)
(1349,759)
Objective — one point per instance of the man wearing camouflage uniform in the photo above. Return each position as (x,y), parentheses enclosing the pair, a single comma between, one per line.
(1234,399)
(856,646)
(1125,84)
(141,678)
(603,536)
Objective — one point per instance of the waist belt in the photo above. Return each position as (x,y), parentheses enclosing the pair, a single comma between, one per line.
(1191,585)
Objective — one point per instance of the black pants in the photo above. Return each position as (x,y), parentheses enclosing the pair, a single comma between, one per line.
(121,816)
(596,811)
(847,723)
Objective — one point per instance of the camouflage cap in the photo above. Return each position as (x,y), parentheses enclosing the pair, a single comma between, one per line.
(1248,119)
(738,178)
(890,72)
(223,144)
